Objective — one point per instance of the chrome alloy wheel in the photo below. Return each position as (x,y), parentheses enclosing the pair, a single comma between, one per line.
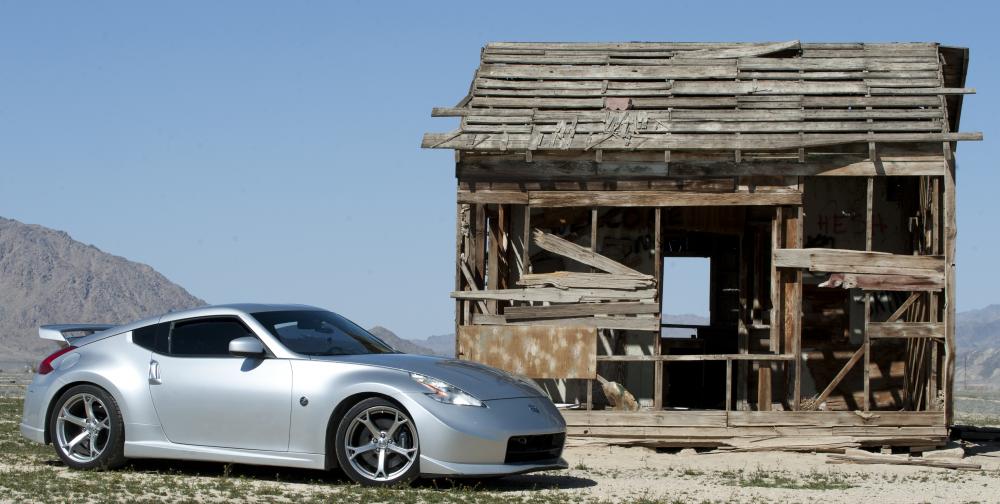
(381,443)
(83,428)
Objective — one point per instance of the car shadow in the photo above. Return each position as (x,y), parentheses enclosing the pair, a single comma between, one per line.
(516,483)
(536,481)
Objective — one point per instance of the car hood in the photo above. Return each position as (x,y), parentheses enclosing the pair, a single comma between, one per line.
(483,382)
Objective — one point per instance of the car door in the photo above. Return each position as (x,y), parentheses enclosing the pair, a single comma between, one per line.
(205,396)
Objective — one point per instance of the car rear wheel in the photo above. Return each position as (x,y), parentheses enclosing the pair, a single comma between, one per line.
(377,444)
(87,430)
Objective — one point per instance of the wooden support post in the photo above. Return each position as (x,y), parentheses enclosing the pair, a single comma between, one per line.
(792,307)
(593,248)
(657,338)
(478,256)
(729,387)
(950,231)
(743,332)
(526,250)
(458,267)
(868,351)
(766,369)
(869,210)
(493,258)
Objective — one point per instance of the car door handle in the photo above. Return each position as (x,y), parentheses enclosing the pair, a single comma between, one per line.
(154,373)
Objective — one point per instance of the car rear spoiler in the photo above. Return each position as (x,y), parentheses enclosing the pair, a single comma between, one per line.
(59,332)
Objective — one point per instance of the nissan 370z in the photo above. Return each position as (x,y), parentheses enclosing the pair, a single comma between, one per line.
(282,385)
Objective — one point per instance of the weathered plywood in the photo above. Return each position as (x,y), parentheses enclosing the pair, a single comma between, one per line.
(532,351)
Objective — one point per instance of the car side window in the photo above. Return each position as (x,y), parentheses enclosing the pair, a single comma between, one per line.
(205,337)
(152,337)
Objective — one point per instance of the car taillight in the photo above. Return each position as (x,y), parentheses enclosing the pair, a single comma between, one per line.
(46,366)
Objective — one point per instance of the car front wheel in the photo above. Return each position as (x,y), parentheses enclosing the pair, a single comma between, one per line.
(377,444)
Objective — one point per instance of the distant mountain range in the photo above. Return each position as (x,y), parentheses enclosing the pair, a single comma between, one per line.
(978,341)
(47,277)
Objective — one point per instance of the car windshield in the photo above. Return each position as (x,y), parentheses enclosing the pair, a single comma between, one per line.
(316,332)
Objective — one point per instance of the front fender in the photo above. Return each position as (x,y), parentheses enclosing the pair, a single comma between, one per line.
(326,385)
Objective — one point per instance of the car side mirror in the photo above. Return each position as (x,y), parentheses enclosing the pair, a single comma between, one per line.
(247,346)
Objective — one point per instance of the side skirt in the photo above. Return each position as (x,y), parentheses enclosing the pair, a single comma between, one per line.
(167,450)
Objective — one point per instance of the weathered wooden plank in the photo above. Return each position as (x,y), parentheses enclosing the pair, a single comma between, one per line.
(862,260)
(535,352)
(834,419)
(903,307)
(565,103)
(578,310)
(740,52)
(657,199)
(768,88)
(481,83)
(518,116)
(492,169)
(839,377)
(623,323)
(888,330)
(870,101)
(492,197)
(563,72)
(874,458)
(645,418)
(557,245)
(838,75)
(719,127)
(553,295)
(662,141)
(572,279)
(895,283)
(916,91)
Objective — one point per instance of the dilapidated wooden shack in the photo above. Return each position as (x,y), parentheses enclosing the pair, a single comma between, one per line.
(818,180)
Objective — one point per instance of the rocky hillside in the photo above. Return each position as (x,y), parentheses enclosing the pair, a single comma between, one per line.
(47,277)
(978,340)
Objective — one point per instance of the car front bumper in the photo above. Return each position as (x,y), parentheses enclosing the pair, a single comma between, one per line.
(473,441)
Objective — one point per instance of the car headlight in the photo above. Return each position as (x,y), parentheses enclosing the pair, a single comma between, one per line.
(445,392)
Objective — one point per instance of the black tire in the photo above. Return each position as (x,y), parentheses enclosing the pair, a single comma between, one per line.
(103,429)
(398,469)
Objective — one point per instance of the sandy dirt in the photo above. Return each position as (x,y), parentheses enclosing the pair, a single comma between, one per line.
(620,474)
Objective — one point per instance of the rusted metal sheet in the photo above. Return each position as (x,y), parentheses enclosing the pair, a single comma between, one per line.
(532,351)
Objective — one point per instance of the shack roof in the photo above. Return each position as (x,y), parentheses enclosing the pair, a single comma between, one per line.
(707,96)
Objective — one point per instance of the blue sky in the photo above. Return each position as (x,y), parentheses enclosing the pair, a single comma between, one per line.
(269,151)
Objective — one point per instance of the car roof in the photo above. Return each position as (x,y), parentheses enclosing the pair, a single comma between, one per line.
(201,311)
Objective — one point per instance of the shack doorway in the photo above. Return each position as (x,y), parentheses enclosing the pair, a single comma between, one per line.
(734,245)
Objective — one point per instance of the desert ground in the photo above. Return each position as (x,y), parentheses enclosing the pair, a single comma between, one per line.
(597,474)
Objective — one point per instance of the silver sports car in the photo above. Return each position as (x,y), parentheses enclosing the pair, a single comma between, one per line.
(283,385)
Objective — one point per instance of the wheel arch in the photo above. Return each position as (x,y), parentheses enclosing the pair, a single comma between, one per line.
(338,414)
(50,408)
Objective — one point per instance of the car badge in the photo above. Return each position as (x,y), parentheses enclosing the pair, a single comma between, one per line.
(534,408)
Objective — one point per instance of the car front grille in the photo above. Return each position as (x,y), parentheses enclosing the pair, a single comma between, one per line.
(534,448)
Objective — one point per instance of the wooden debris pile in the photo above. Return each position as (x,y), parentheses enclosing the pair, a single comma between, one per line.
(853,456)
